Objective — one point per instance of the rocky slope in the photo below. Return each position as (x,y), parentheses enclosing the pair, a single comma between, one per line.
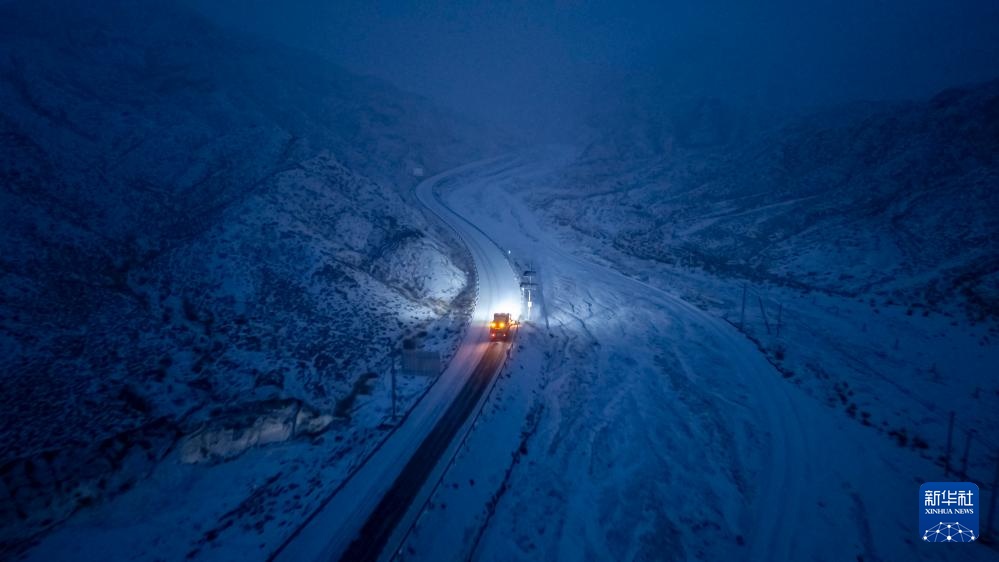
(194,222)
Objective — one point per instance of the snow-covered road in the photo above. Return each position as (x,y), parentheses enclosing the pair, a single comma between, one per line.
(633,425)
(630,425)
(329,533)
(714,375)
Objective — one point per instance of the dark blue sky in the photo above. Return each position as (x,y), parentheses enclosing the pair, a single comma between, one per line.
(534,64)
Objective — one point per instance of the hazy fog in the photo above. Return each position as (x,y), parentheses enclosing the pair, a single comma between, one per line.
(535,66)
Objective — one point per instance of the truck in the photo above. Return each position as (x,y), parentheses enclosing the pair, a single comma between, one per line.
(499,328)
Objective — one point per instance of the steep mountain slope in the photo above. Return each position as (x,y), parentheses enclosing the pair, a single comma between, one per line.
(888,198)
(200,231)
(855,248)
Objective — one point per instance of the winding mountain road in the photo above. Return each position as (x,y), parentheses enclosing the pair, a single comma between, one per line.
(485,201)
(366,517)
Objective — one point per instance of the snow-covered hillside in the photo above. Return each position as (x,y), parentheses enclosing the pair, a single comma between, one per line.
(641,418)
(854,249)
(858,248)
(206,245)
(869,232)
(892,199)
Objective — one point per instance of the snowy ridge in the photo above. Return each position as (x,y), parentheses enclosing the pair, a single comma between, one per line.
(204,236)
(891,199)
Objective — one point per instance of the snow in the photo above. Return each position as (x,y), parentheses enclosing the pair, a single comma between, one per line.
(201,223)
(329,531)
(212,246)
(644,425)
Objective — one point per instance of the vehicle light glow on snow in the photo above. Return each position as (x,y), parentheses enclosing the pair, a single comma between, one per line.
(511,305)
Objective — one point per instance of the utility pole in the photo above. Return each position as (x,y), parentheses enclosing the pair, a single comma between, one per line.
(990,520)
(950,439)
(742,315)
(392,359)
(964,459)
(763,312)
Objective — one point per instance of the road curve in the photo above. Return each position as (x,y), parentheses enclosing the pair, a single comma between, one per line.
(358,519)
(787,468)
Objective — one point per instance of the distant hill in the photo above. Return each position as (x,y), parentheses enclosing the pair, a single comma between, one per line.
(891,198)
